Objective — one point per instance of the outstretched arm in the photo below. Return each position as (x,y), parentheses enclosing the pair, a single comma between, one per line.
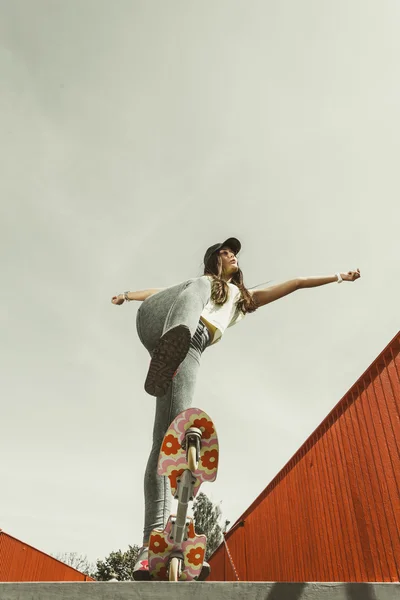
(142,295)
(274,292)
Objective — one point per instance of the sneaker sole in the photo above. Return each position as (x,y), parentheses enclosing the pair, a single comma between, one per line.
(141,575)
(170,351)
(205,571)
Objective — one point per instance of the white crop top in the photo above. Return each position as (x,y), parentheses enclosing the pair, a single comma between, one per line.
(222,317)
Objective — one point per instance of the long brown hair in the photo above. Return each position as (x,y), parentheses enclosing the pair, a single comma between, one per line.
(220,288)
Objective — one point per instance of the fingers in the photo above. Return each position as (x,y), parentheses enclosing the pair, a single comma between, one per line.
(354,274)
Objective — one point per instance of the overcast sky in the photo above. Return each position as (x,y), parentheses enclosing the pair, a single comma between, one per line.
(135,134)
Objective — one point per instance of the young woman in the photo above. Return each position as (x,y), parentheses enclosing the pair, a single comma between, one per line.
(176,325)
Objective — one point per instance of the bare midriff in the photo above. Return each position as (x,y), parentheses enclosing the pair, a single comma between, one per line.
(211,328)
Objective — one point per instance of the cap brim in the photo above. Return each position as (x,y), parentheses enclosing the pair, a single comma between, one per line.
(233,244)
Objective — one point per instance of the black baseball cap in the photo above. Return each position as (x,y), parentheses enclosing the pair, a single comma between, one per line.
(231,243)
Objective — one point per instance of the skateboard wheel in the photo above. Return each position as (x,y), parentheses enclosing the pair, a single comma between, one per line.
(192,458)
(174,569)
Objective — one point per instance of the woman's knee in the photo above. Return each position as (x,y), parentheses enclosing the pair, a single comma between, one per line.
(152,313)
(201,286)
(203,283)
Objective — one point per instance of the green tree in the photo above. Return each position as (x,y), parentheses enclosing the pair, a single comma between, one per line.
(207,518)
(117,564)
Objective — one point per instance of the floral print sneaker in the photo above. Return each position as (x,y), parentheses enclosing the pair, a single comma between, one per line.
(141,568)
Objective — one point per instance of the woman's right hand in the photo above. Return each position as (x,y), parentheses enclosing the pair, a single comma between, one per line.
(118,299)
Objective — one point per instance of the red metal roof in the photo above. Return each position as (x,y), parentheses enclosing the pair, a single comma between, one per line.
(333,512)
(22,562)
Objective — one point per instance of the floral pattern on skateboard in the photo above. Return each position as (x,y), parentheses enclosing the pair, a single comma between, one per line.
(161,546)
(172,459)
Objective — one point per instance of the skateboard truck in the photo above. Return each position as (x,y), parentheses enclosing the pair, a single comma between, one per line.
(185,485)
(184,494)
(180,528)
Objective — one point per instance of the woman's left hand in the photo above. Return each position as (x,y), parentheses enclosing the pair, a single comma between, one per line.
(351,275)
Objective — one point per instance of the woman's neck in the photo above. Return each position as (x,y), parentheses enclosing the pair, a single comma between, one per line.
(227,278)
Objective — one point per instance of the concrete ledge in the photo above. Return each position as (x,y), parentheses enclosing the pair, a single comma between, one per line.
(127,590)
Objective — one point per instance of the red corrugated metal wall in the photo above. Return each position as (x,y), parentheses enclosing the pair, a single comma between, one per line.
(333,512)
(21,562)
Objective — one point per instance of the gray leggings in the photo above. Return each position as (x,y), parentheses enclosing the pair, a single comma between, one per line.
(178,305)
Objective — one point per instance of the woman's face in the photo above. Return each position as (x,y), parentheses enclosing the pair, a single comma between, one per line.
(229,261)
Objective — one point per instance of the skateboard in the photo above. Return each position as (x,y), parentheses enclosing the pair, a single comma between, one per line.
(188,457)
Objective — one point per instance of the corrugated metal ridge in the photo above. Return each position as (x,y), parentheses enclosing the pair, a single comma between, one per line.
(41,552)
(388,354)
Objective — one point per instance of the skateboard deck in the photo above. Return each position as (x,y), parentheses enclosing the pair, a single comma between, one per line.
(172,459)
(161,546)
(172,463)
